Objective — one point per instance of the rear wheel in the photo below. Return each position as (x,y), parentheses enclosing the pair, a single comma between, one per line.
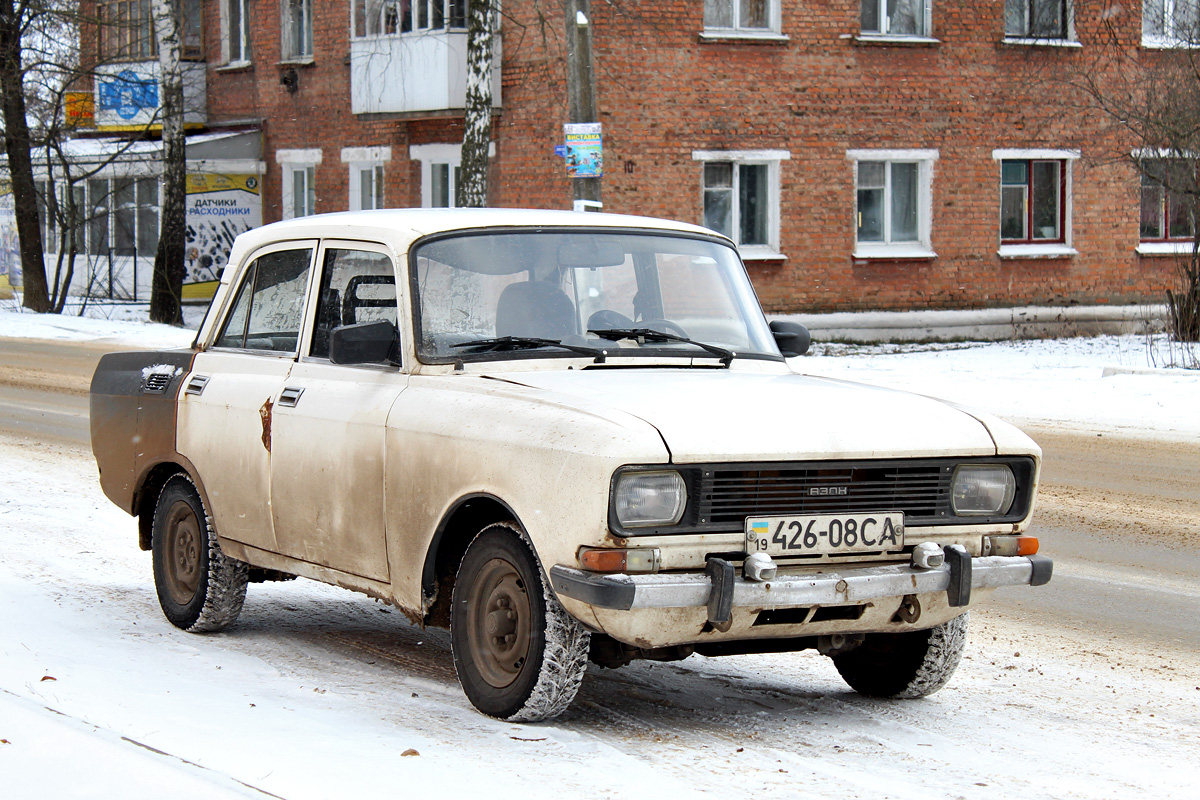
(199,588)
(905,665)
(518,654)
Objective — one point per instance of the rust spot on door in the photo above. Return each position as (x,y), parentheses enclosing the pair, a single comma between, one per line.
(265,413)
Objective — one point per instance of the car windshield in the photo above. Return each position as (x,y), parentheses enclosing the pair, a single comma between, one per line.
(515,294)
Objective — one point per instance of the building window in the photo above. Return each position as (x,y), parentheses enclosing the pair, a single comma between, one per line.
(1168,200)
(740,191)
(366,176)
(1031,200)
(741,17)
(893,203)
(299,169)
(114,216)
(297,30)
(1170,23)
(896,17)
(391,17)
(125,30)
(1037,19)
(1035,203)
(439,172)
(235,31)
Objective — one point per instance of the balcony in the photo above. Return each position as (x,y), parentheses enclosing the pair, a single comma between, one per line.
(412,73)
(128,95)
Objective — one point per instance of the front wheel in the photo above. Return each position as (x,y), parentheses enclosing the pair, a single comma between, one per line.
(519,656)
(905,665)
(199,588)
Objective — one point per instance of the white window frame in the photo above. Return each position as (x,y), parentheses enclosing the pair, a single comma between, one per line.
(923,247)
(1066,40)
(924,37)
(287,31)
(1063,249)
(371,161)
(1169,39)
(771,159)
(291,162)
(242,34)
(772,31)
(373,18)
(431,154)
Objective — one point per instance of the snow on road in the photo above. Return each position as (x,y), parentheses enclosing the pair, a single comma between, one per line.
(318,692)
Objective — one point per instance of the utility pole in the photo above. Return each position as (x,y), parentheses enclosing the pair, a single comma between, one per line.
(581,82)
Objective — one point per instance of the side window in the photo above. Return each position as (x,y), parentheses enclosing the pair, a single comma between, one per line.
(356,286)
(270,303)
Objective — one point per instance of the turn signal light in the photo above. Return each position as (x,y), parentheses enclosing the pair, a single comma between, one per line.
(1027,545)
(604,559)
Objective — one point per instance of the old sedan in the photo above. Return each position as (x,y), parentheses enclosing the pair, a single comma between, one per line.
(565,436)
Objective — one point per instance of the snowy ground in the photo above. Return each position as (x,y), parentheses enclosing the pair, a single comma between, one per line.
(320,693)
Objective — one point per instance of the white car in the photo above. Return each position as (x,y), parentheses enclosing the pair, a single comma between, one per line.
(565,436)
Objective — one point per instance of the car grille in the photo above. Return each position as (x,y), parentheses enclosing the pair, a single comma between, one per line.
(920,489)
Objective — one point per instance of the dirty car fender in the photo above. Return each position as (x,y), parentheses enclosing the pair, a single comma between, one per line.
(547,457)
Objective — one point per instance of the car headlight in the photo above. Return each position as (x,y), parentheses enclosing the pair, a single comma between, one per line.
(649,498)
(982,490)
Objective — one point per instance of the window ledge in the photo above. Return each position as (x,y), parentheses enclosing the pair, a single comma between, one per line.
(760,252)
(1037,41)
(234,66)
(1168,44)
(298,61)
(1165,248)
(893,252)
(891,39)
(744,37)
(1036,251)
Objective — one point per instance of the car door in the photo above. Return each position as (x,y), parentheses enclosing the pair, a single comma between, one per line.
(225,409)
(329,446)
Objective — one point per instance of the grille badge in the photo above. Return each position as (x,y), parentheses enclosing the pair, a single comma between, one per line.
(828,491)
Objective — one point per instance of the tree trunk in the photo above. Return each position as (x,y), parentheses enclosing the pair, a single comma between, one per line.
(472,191)
(20,163)
(166,287)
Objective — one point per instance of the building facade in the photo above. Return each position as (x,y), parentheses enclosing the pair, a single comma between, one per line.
(874,154)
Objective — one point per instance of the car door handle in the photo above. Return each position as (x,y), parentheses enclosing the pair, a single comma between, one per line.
(290,396)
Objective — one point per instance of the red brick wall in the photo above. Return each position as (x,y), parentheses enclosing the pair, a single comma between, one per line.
(662,93)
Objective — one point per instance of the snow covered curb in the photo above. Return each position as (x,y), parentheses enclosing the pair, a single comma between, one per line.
(988,324)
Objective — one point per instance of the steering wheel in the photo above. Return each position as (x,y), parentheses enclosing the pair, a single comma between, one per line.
(664,325)
(605,319)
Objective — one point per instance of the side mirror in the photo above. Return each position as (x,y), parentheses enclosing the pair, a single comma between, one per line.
(363,343)
(792,338)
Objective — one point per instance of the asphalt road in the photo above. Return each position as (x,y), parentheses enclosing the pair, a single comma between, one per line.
(1120,517)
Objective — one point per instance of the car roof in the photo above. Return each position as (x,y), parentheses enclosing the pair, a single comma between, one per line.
(399,227)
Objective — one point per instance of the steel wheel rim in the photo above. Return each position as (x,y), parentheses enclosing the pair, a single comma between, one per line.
(498,627)
(181,560)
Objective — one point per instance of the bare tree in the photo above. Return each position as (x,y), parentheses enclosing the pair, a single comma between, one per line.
(17,20)
(166,287)
(1142,107)
(472,191)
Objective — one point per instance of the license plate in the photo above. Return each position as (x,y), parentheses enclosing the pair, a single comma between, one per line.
(825,534)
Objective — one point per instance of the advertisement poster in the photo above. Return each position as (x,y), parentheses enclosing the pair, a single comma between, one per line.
(127,95)
(219,207)
(10,254)
(585,157)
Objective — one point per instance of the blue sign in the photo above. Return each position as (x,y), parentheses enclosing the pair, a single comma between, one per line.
(560,150)
(128,94)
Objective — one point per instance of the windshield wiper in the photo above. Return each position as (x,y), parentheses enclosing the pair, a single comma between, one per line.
(503,343)
(654,335)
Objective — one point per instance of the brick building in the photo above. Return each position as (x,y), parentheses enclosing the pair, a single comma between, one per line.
(885,154)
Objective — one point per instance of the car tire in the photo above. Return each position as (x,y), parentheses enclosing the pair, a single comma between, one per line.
(905,665)
(519,656)
(199,588)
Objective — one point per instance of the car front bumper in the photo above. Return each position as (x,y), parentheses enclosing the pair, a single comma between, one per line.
(721,590)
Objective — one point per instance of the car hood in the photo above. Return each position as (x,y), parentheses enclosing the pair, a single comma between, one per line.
(720,415)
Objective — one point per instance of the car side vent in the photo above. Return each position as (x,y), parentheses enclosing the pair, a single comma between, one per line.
(157,383)
(196,384)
